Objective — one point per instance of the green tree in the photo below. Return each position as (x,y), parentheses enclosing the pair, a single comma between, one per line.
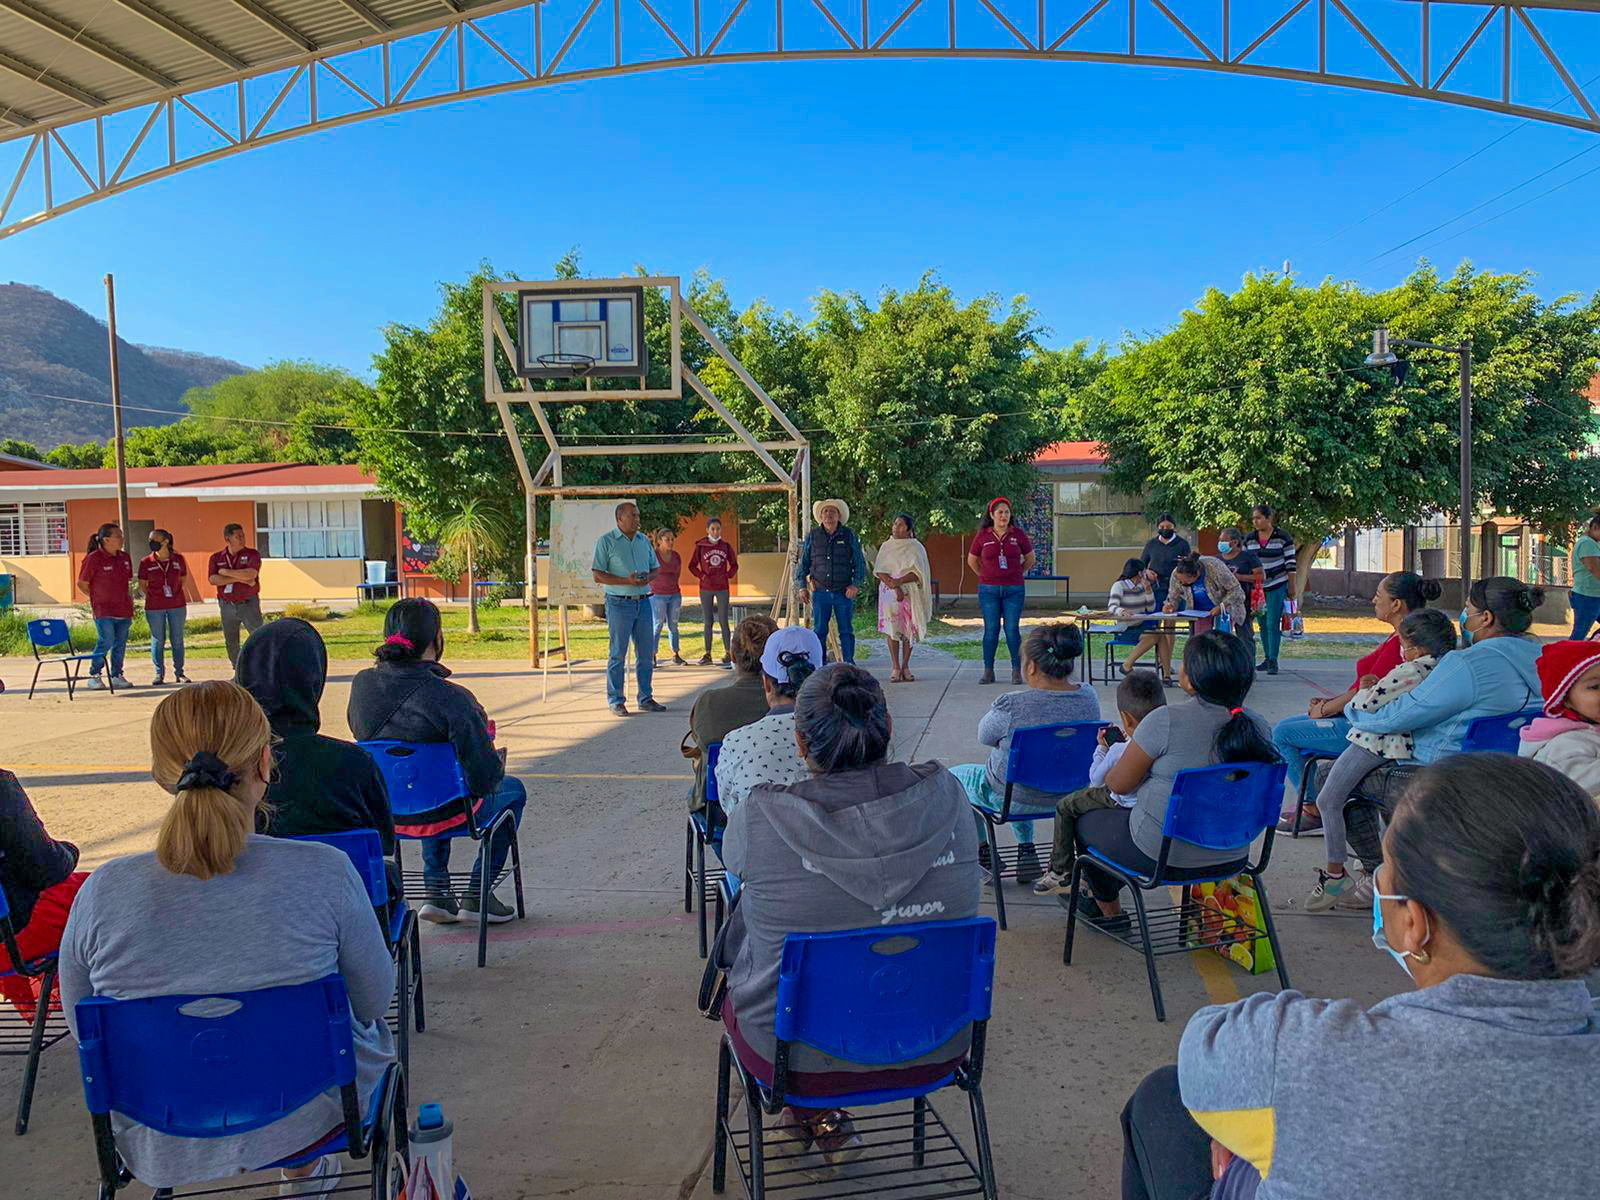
(1260,396)
(88,456)
(478,528)
(20,448)
(290,408)
(192,443)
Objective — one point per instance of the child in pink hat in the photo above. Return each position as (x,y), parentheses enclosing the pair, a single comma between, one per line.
(1567,737)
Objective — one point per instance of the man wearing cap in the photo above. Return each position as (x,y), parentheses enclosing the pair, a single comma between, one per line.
(832,570)
(765,752)
(625,562)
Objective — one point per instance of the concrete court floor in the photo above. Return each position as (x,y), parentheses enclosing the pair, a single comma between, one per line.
(575,1064)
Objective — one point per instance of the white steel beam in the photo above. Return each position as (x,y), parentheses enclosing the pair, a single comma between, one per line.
(183,33)
(77,37)
(44,79)
(367,15)
(275,23)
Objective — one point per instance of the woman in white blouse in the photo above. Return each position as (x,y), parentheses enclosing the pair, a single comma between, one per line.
(765,751)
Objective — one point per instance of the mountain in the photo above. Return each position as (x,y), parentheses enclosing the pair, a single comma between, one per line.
(52,353)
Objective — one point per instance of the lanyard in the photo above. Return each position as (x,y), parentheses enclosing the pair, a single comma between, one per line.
(166,567)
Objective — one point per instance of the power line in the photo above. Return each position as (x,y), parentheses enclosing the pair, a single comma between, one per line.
(1507,212)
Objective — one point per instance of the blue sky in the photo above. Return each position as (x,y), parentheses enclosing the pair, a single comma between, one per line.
(1111,196)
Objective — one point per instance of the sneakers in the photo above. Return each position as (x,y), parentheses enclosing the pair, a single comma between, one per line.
(322,1181)
(499,911)
(441,910)
(651,706)
(120,681)
(159,681)
(727,661)
(677,661)
(1328,890)
(705,661)
(619,709)
(180,677)
(1028,868)
(984,860)
(1357,897)
(94,683)
(1309,823)
(834,1137)
(1051,884)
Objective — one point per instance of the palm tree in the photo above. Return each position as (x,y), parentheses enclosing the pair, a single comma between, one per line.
(478,528)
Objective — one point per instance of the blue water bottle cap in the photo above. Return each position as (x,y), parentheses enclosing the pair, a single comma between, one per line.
(430,1116)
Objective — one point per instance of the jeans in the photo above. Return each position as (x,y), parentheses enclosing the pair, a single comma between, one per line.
(715,605)
(664,613)
(166,623)
(1271,618)
(246,613)
(1349,769)
(1001,602)
(111,639)
(1585,612)
(1072,806)
(975,778)
(628,619)
(1294,734)
(1165,1154)
(436,851)
(835,604)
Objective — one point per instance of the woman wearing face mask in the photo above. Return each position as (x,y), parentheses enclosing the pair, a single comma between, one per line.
(1162,552)
(1246,568)
(1489,899)
(168,587)
(105,578)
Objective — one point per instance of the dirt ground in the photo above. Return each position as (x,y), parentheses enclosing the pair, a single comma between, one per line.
(575,1064)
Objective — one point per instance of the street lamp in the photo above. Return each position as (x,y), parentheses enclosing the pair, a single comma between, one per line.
(1383,356)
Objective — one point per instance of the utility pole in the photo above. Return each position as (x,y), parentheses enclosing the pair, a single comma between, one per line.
(1466,468)
(116,406)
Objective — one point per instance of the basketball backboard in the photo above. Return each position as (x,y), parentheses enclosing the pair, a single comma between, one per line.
(587,331)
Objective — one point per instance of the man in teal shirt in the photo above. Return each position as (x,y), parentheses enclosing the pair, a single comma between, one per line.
(1586,580)
(625,562)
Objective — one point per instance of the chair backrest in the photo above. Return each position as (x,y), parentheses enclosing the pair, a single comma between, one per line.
(1224,807)
(886,995)
(713,752)
(420,776)
(364,848)
(208,1066)
(1053,758)
(8,939)
(1501,734)
(48,634)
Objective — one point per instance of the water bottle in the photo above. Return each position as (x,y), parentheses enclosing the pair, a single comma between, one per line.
(433,1166)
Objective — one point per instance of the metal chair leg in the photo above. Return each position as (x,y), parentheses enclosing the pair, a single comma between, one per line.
(980,1137)
(994,872)
(483,900)
(688,866)
(1149,957)
(516,874)
(919,1136)
(37,667)
(700,890)
(402,981)
(719,1153)
(1072,911)
(758,1156)
(1272,932)
(30,1069)
(416,967)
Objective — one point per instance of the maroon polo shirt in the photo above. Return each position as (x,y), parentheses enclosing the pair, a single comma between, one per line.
(108,576)
(987,549)
(246,560)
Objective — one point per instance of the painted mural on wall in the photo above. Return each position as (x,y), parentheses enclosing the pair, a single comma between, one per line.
(1037,518)
(416,554)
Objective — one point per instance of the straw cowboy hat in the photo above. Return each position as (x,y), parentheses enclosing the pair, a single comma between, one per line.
(844,510)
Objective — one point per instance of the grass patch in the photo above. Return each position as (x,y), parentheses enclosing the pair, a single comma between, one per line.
(306,612)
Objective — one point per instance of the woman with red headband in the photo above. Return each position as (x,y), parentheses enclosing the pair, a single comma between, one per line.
(1212,726)
(1001,555)
(408,697)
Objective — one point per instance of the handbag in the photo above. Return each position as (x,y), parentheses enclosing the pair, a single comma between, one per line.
(1258,598)
(1218,909)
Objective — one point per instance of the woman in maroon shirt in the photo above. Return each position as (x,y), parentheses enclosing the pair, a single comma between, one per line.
(666,594)
(164,579)
(105,577)
(1001,555)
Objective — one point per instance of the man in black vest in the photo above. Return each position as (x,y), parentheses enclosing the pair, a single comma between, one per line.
(832,570)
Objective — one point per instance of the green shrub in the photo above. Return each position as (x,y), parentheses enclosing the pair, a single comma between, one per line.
(494,635)
(206,624)
(13,632)
(306,612)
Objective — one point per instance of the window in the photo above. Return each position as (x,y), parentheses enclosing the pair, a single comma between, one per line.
(309,529)
(33,528)
(1369,550)
(1091,516)
(756,538)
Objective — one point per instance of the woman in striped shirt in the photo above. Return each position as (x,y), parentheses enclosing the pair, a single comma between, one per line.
(1275,549)
(1132,597)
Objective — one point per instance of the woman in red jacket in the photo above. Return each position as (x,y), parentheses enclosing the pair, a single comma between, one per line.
(714,564)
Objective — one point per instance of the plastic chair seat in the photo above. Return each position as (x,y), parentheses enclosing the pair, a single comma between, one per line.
(1209,874)
(338,1141)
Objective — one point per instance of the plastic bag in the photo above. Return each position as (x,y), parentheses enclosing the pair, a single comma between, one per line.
(1217,912)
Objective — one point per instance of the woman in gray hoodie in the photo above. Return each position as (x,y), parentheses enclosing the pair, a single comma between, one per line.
(863,843)
(1479,1082)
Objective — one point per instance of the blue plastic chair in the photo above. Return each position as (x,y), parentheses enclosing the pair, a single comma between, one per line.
(1215,808)
(704,829)
(423,777)
(364,849)
(1498,735)
(881,997)
(209,1066)
(1123,639)
(19,1036)
(1048,758)
(46,637)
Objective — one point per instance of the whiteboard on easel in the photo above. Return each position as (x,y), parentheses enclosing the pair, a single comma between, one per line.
(575,527)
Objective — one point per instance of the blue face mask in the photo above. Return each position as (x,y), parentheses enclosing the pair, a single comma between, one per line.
(1466,634)
(1224,547)
(1380,940)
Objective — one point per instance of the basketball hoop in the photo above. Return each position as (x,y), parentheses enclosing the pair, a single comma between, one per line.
(573,365)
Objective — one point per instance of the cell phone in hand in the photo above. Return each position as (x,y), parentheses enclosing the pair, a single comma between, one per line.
(1112,734)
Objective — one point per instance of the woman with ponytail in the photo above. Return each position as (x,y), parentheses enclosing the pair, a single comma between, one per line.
(106,578)
(408,697)
(1209,728)
(764,751)
(861,842)
(218,908)
(1488,899)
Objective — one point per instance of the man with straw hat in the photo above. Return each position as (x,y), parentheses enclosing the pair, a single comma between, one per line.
(832,570)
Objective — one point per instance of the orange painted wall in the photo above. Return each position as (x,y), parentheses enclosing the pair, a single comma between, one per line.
(196,527)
